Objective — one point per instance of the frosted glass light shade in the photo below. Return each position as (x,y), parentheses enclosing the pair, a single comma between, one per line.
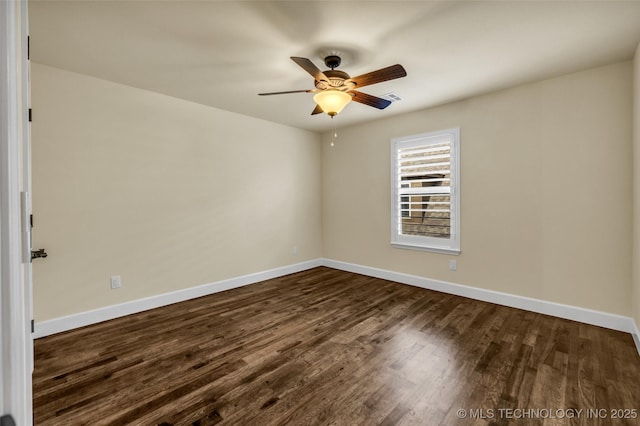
(332,101)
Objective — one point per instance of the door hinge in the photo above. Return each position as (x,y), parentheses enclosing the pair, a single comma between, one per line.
(33,326)
(28,48)
(30,115)
(31,220)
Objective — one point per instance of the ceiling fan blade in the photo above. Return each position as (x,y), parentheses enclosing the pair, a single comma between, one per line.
(384,74)
(317,110)
(309,67)
(370,100)
(283,93)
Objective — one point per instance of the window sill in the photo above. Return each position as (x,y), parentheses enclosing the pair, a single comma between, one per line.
(440,250)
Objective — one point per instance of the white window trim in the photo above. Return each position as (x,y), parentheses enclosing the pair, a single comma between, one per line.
(412,242)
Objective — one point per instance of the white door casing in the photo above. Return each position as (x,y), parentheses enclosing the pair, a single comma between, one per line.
(15,301)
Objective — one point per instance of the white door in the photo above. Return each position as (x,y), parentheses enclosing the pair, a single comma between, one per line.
(27,218)
(16,344)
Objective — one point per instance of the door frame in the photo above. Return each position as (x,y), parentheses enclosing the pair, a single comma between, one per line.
(16,343)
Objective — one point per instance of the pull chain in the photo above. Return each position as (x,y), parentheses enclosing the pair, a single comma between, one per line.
(334,135)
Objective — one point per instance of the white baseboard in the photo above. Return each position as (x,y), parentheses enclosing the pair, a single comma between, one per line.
(58,325)
(636,336)
(587,316)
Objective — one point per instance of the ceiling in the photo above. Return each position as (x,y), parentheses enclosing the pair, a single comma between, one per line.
(223,53)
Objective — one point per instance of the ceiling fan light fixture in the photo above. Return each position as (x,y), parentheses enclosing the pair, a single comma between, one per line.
(332,101)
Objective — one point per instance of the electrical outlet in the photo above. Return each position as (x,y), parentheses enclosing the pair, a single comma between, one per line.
(453,265)
(116,282)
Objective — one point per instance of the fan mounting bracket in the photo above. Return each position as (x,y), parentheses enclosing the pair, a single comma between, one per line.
(332,61)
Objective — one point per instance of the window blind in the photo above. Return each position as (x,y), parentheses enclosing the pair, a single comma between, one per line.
(424,190)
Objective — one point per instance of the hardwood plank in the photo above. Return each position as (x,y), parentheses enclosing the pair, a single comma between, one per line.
(331,347)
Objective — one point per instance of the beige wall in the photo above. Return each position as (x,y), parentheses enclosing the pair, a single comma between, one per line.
(636,187)
(166,193)
(170,194)
(546,174)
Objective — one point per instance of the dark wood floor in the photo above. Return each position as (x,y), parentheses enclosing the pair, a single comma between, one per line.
(331,347)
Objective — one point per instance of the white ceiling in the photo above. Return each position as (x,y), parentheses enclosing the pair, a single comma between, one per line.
(222,53)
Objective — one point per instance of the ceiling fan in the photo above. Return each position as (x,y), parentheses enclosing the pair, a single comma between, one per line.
(335,89)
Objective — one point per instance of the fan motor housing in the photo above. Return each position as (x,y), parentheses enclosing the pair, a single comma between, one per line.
(336,79)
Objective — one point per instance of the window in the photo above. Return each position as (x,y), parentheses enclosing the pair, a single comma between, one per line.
(425,173)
